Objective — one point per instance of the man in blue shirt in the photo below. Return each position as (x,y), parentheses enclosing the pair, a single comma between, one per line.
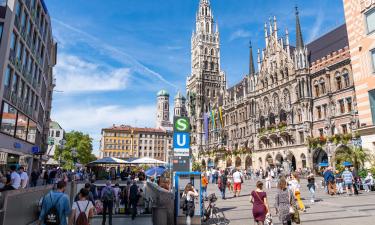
(59,200)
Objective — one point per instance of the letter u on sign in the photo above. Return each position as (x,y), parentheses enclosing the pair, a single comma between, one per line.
(181,140)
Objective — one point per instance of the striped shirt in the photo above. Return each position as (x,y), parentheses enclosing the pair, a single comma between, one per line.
(347,176)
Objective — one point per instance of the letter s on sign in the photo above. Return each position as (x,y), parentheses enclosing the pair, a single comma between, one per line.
(181,124)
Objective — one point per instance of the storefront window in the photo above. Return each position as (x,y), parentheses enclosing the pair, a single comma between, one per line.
(8,119)
(31,134)
(21,129)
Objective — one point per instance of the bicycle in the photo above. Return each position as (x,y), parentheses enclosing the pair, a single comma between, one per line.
(212,214)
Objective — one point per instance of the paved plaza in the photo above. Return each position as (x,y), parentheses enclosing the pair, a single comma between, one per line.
(330,210)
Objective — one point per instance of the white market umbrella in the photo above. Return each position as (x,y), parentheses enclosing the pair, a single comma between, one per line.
(108,160)
(147,160)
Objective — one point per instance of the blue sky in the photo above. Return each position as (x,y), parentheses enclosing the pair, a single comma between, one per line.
(114,55)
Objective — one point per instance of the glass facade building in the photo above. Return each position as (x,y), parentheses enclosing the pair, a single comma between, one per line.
(27,58)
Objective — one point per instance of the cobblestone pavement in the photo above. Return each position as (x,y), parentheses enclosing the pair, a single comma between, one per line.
(330,210)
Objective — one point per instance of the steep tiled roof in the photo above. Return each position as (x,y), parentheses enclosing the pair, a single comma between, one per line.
(328,43)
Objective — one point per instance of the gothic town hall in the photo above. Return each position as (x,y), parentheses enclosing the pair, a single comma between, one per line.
(296,110)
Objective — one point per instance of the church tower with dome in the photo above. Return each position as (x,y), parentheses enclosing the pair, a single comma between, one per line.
(162,114)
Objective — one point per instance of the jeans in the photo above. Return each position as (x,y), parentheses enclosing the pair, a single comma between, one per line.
(33,183)
(222,193)
(312,193)
(107,206)
(367,186)
(268,184)
(204,192)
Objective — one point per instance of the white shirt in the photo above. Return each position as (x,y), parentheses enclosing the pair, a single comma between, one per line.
(24,179)
(16,179)
(237,177)
(191,195)
(82,206)
(117,190)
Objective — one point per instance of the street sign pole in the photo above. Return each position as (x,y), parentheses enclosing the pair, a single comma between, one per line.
(181,144)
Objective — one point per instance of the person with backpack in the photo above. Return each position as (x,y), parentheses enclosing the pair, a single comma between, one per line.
(82,210)
(90,196)
(107,197)
(55,207)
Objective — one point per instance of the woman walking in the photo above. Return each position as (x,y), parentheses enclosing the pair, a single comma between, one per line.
(283,201)
(260,204)
(295,188)
(189,193)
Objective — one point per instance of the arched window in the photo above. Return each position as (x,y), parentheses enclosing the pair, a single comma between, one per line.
(212,66)
(346,78)
(338,82)
(212,52)
(207,27)
(317,90)
(286,98)
(205,65)
(286,72)
(205,51)
(322,85)
(299,115)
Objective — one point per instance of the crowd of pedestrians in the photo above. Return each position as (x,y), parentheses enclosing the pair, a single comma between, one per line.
(91,200)
(348,181)
(288,202)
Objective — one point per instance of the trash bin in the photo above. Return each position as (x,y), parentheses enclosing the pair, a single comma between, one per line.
(159,216)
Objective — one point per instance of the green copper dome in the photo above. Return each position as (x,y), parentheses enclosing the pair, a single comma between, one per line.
(163,93)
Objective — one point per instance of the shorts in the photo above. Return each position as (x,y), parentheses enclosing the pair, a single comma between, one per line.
(349,185)
(237,187)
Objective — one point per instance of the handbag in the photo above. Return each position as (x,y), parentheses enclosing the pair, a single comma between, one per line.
(293,211)
(291,208)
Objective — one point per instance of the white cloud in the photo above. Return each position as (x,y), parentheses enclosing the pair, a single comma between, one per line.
(92,118)
(109,50)
(74,74)
(239,34)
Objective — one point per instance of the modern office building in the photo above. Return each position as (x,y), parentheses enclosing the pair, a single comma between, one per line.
(360,21)
(27,58)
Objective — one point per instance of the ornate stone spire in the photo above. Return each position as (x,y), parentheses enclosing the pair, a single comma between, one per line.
(251,62)
(299,39)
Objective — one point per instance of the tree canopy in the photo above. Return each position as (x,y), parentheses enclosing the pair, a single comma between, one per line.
(75,141)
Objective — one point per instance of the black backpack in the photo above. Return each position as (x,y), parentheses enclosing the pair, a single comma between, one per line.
(52,216)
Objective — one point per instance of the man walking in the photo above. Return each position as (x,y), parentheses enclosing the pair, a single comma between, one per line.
(237,180)
(15,177)
(34,178)
(24,177)
(133,198)
(55,207)
(108,196)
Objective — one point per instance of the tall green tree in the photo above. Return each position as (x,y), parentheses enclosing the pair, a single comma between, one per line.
(79,142)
